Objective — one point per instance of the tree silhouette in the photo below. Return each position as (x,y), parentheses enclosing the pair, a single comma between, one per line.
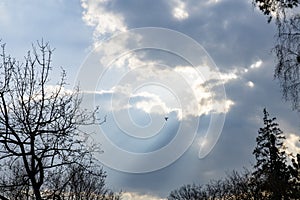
(85,182)
(21,189)
(188,192)
(271,172)
(295,177)
(287,51)
(39,124)
(287,45)
(235,186)
(273,177)
(274,7)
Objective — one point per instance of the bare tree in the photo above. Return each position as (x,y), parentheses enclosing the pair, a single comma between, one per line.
(287,51)
(188,192)
(39,123)
(272,8)
(235,186)
(85,182)
(287,45)
(21,190)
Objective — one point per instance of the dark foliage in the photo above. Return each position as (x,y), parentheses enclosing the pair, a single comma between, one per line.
(269,7)
(271,170)
(295,177)
(235,186)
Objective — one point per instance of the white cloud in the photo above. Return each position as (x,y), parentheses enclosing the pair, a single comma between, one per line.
(101,92)
(257,64)
(228,76)
(250,84)
(180,89)
(50,89)
(153,89)
(205,95)
(213,1)
(136,196)
(160,100)
(179,11)
(292,143)
(222,106)
(104,21)
(238,72)
(131,61)
(153,103)
(146,99)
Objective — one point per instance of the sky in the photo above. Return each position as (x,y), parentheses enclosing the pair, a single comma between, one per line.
(205,65)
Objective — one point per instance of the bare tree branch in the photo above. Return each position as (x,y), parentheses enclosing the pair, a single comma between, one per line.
(39,123)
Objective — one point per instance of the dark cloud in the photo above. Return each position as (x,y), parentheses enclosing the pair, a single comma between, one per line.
(236,36)
(232,32)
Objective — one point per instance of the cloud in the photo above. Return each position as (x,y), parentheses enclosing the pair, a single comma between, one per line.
(105,22)
(257,64)
(292,143)
(150,103)
(213,1)
(179,10)
(162,95)
(228,76)
(236,37)
(250,84)
(136,196)
(185,89)
(238,40)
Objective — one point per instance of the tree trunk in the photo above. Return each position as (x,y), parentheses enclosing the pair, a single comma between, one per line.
(37,192)
(3,198)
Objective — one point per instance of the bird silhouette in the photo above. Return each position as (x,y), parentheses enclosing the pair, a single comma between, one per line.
(166,118)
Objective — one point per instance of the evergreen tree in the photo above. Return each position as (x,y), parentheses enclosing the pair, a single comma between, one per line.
(271,171)
(295,177)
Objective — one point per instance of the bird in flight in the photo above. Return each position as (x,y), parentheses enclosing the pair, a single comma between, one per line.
(166,118)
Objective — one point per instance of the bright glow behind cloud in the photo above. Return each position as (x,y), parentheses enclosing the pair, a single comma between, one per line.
(158,102)
(157,99)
